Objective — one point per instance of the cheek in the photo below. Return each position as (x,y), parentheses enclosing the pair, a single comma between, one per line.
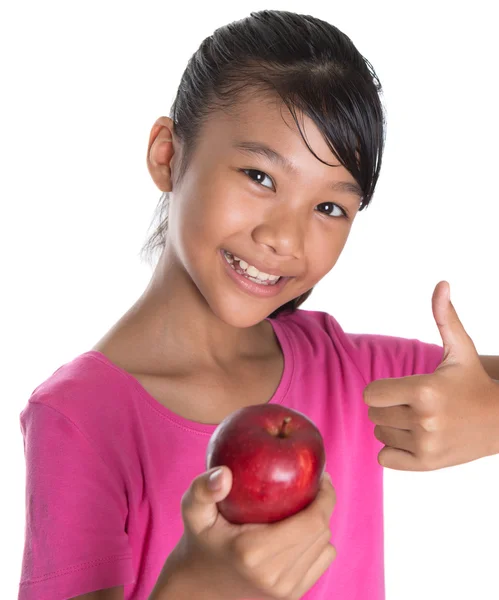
(209,219)
(190,230)
(230,213)
(323,254)
(187,223)
(220,207)
(199,215)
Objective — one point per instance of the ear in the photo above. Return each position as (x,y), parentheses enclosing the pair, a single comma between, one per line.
(160,152)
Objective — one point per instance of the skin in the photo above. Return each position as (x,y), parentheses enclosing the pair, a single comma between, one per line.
(192,318)
(195,340)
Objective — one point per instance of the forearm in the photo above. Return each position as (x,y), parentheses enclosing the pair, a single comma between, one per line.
(174,583)
(495,433)
(179,586)
(179,581)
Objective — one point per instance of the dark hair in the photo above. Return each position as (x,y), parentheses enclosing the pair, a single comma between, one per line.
(312,66)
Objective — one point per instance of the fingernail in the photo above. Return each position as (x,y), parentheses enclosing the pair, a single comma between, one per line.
(328,477)
(215,480)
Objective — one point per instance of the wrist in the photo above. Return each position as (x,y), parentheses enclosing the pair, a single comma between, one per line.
(183,579)
(194,580)
(172,581)
(495,434)
(180,585)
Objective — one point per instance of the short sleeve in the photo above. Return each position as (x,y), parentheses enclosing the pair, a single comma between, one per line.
(383,357)
(76,511)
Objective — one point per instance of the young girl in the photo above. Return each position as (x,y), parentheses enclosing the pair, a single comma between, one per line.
(273,146)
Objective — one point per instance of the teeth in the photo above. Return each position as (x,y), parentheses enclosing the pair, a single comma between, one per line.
(253,273)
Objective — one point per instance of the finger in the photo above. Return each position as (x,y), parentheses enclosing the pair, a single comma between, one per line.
(301,563)
(311,519)
(395,391)
(395,438)
(199,502)
(276,571)
(458,346)
(401,460)
(301,529)
(400,417)
(316,570)
(291,554)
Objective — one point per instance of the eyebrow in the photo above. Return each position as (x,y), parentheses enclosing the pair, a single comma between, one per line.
(261,149)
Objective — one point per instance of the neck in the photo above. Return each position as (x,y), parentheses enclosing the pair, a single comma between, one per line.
(172,324)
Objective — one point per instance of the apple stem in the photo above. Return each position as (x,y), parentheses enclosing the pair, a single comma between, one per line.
(283,431)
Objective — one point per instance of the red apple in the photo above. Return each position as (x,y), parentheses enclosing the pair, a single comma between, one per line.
(277,458)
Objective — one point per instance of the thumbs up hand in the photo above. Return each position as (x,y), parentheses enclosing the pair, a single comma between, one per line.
(443,419)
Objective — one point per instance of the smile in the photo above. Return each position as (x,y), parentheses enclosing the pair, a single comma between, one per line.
(250,272)
(250,282)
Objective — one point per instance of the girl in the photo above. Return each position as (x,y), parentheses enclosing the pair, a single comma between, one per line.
(273,146)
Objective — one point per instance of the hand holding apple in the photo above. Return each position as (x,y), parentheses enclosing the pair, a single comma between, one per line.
(276,456)
(217,560)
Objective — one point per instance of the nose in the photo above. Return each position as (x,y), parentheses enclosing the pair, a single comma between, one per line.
(283,231)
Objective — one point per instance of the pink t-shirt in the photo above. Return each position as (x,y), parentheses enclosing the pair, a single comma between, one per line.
(107,464)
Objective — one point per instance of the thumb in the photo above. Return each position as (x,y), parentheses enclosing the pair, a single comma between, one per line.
(199,503)
(458,346)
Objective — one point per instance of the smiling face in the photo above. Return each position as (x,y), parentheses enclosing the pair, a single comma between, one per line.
(237,195)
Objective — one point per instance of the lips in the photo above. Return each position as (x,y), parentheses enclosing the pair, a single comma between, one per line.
(246,285)
(246,270)
(260,266)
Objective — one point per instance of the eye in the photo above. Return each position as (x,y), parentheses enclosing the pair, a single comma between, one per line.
(329,210)
(257,176)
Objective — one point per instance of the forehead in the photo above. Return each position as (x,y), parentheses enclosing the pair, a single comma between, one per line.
(265,118)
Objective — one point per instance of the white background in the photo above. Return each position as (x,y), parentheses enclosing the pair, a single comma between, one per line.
(82,85)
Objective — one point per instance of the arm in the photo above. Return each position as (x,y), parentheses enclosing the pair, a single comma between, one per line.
(491,366)
(68,484)
(172,585)
(180,587)
(176,582)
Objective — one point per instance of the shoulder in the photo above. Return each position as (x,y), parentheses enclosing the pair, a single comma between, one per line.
(86,376)
(313,321)
(315,325)
(86,392)
(374,355)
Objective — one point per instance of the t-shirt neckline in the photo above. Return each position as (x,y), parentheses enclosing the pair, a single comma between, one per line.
(277,398)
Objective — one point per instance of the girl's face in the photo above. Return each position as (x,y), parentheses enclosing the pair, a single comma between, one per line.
(283,216)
